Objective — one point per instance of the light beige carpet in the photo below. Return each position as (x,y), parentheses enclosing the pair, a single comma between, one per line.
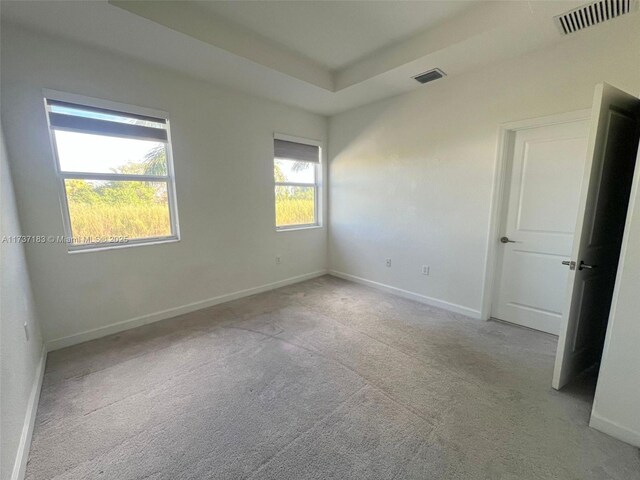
(323,379)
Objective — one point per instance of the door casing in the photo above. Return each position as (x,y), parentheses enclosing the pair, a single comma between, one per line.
(506,132)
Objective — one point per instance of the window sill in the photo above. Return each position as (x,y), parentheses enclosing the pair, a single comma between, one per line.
(297,228)
(103,247)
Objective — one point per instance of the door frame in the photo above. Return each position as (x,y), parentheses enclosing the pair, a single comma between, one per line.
(506,134)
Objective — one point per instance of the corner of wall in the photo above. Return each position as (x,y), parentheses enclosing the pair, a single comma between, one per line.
(23,349)
(24,445)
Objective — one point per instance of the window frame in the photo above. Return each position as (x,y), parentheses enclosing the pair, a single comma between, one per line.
(61,176)
(317,185)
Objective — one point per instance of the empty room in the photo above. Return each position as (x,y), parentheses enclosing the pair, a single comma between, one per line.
(315,239)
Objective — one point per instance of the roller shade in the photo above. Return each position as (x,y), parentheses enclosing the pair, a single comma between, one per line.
(296,151)
(78,118)
(105,111)
(91,125)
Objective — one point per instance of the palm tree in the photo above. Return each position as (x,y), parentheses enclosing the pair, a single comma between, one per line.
(155,161)
(300,166)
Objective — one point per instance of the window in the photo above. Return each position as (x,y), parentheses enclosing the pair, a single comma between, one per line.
(296,169)
(115,173)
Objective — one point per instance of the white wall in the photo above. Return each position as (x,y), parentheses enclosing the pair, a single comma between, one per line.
(222,144)
(616,408)
(21,360)
(411,180)
(411,177)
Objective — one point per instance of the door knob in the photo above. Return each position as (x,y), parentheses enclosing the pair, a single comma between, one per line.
(583,265)
(506,240)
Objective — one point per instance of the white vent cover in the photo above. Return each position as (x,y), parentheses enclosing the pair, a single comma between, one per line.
(593,13)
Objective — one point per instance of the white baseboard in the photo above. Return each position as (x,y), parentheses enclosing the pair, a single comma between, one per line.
(173,312)
(615,430)
(22,455)
(434,302)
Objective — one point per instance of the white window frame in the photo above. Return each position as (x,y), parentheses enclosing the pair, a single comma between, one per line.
(63,175)
(317,213)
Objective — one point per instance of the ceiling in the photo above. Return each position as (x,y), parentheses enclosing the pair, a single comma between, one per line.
(322,56)
(335,33)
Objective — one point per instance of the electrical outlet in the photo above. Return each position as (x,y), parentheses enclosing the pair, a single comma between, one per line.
(425,269)
(26,330)
(278,260)
(388,262)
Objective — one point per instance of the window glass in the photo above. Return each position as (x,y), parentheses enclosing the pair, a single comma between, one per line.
(295,205)
(296,167)
(116,175)
(100,210)
(294,171)
(83,152)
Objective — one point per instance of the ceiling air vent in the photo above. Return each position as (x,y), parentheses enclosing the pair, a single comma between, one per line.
(430,76)
(593,14)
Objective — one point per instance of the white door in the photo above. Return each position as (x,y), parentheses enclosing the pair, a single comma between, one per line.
(607,178)
(544,176)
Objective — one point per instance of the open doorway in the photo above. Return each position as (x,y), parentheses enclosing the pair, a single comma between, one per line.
(564,283)
(605,193)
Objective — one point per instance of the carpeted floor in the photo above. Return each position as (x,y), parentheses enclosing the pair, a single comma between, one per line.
(321,380)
